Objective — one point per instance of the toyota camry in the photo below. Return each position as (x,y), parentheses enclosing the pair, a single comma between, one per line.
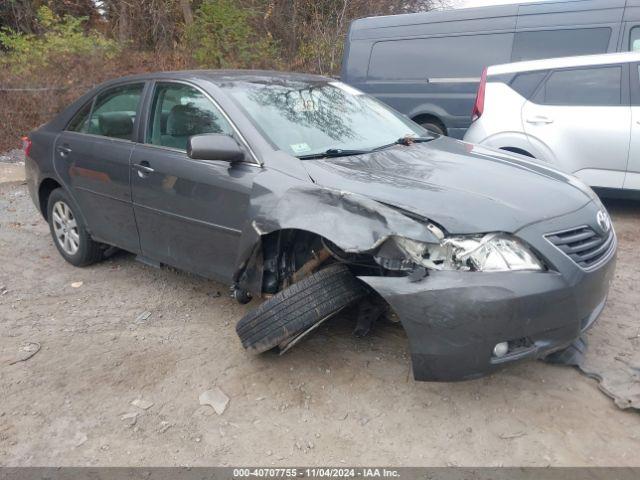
(313,197)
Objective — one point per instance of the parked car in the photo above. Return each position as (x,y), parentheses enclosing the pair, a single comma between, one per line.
(577,114)
(428,65)
(317,196)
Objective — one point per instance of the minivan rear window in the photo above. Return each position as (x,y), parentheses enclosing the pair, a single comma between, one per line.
(438,57)
(560,43)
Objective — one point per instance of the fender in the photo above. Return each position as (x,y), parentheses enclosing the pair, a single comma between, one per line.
(353,222)
(533,145)
(430,109)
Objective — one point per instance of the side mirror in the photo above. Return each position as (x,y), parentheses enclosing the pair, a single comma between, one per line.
(214,146)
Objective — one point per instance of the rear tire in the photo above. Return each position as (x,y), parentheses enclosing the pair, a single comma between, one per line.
(433,126)
(299,307)
(69,233)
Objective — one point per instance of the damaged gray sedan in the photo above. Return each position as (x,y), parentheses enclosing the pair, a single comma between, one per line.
(315,197)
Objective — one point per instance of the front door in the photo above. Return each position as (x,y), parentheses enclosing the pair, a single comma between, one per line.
(190,213)
(583,116)
(92,157)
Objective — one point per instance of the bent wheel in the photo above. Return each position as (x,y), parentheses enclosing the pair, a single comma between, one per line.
(299,308)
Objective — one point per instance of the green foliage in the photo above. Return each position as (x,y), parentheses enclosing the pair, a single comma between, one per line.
(222,36)
(59,38)
(322,55)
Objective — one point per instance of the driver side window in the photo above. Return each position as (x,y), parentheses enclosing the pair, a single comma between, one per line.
(178,112)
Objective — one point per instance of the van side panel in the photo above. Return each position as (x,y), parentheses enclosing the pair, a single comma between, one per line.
(580,16)
(421,72)
(435,76)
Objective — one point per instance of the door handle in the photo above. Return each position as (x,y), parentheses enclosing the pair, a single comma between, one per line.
(63,150)
(539,120)
(143,168)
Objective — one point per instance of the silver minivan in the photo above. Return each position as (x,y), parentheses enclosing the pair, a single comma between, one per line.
(579,114)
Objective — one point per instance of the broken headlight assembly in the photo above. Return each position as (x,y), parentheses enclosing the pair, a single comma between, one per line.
(491,252)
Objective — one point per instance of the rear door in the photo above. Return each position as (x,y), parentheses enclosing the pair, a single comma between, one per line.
(582,116)
(189,212)
(92,157)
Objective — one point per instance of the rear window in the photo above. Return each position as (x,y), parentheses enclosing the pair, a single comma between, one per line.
(560,43)
(634,39)
(526,83)
(442,57)
(589,87)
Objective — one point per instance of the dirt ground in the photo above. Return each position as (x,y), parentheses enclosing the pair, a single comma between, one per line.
(332,400)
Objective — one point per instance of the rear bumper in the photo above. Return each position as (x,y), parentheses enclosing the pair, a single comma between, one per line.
(454,319)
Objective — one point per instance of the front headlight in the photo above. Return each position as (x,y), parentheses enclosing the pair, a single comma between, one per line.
(491,252)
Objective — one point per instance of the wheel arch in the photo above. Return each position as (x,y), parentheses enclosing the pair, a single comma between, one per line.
(353,223)
(518,142)
(45,188)
(266,254)
(423,118)
(517,150)
(429,111)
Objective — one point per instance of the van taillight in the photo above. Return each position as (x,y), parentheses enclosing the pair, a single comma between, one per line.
(478,106)
(26,145)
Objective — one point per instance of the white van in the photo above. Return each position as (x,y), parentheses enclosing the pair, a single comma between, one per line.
(580,114)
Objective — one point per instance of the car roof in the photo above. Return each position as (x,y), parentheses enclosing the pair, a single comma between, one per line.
(224,76)
(564,62)
(523,7)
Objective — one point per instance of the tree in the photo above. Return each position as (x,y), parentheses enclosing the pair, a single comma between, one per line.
(222,36)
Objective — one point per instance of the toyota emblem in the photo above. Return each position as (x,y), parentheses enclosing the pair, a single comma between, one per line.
(604,222)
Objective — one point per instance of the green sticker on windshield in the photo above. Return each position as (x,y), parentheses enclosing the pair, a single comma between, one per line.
(299,147)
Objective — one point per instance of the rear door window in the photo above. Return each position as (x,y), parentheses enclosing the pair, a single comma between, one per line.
(597,86)
(560,43)
(114,112)
(80,121)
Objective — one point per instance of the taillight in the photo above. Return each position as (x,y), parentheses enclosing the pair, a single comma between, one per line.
(478,106)
(26,145)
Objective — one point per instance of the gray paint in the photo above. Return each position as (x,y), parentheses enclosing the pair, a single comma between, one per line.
(209,217)
(379,50)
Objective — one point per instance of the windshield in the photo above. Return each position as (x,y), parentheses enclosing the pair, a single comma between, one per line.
(305,118)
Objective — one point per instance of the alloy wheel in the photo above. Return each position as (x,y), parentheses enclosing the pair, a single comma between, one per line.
(65,228)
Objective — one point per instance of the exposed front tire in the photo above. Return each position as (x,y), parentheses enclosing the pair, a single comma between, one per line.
(69,232)
(299,308)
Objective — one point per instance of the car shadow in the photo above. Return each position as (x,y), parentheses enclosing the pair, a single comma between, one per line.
(622,206)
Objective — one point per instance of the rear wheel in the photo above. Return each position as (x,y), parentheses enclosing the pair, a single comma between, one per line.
(68,231)
(433,125)
(298,309)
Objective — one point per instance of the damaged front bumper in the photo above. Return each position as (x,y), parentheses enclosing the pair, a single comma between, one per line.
(454,319)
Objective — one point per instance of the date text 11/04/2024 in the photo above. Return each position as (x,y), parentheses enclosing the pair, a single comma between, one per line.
(315,472)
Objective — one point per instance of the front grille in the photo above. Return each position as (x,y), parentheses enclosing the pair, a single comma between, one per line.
(583,245)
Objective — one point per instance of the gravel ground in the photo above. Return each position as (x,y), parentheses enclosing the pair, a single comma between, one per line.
(12,156)
(334,399)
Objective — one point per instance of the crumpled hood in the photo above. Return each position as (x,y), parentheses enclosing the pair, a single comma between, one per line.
(463,187)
